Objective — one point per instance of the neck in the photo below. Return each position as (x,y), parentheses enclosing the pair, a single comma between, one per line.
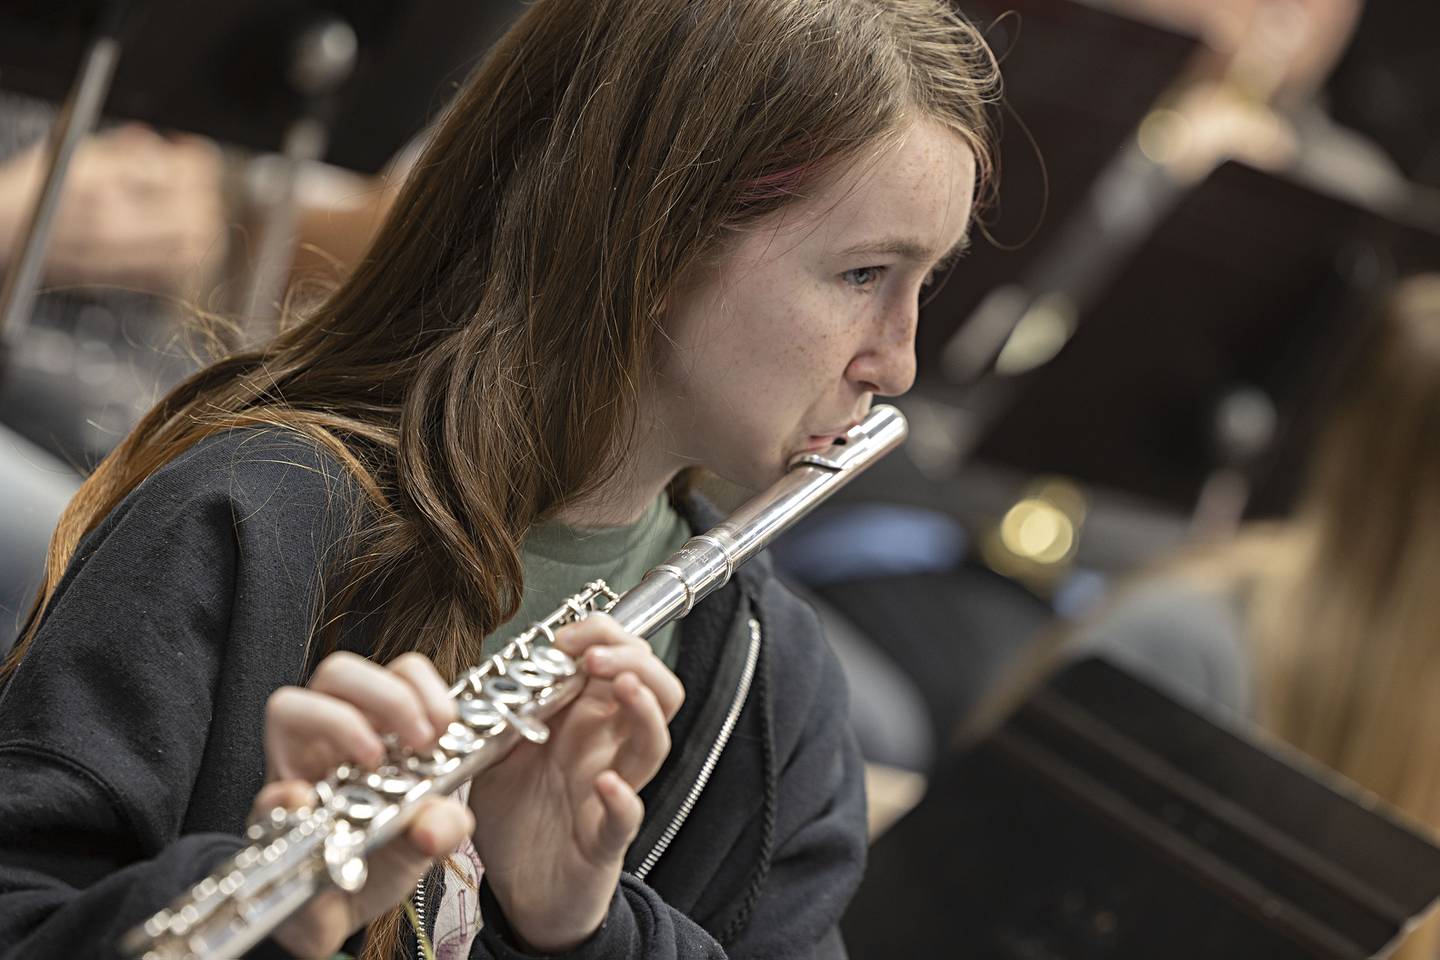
(610,508)
(653,460)
(624,498)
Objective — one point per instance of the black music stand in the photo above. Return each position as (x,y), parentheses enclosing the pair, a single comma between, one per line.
(1104,820)
(1254,279)
(223,70)
(1388,84)
(1078,81)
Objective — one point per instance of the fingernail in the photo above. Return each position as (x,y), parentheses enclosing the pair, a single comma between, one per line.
(600,659)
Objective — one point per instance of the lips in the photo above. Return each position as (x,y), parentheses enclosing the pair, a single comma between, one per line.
(818,440)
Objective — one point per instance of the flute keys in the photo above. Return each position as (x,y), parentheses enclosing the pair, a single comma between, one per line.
(356,803)
(479,715)
(530,675)
(528,727)
(435,763)
(508,696)
(505,692)
(460,739)
(553,661)
(391,781)
(344,858)
(275,823)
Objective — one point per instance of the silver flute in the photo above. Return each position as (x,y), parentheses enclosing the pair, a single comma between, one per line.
(296,854)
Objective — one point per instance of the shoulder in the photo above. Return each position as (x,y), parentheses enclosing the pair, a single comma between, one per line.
(243,478)
(1186,637)
(254,493)
(263,468)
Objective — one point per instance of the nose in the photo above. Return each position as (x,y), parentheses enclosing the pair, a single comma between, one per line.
(884,364)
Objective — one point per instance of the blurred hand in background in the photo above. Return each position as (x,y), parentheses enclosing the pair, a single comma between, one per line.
(139,210)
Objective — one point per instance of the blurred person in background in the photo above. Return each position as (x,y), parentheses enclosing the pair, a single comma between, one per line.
(1255,93)
(149,228)
(142,216)
(139,211)
(1322,626)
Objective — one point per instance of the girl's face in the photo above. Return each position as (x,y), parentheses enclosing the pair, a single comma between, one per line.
(811,313)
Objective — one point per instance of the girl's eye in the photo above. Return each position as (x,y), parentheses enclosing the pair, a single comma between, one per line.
(862,276)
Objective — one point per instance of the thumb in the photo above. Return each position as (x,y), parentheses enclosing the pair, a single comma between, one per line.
(624,812)
(440,825)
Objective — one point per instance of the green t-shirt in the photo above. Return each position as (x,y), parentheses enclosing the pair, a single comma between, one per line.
(559,560)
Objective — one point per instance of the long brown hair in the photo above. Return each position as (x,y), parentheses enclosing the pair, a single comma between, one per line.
(480,368)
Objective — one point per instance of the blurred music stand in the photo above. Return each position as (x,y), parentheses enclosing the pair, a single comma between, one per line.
(223,70)
(1253,280)
(1078,81)
(1388,84)
(1105,820)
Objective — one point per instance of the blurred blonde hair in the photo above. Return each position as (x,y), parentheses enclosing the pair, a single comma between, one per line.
(1343,600)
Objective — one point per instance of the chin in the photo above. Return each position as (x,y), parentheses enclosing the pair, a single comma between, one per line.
(754,476)
(772,472)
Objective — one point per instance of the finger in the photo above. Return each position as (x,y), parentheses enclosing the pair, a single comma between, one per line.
(282,794)
(194,144)
(607,663)
(131,134)
(388,702)
(417,670)
(576,638)
(623,812)
(441,824)
(303,725)
(648,741)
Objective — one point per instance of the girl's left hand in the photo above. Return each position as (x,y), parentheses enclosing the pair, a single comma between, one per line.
(553,821)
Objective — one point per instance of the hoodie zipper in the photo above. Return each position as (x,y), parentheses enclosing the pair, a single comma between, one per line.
(420,915)
(728,727)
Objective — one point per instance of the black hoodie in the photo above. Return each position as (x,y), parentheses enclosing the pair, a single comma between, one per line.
(130,736)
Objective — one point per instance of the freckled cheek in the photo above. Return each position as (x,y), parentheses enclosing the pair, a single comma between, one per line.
(796,354)
(785,349)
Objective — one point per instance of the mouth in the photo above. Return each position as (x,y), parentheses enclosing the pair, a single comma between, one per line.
(819,441)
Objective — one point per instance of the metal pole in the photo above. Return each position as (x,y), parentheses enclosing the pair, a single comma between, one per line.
(322,60)
(77,118)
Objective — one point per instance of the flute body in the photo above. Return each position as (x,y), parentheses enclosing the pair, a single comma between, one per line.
(296,854)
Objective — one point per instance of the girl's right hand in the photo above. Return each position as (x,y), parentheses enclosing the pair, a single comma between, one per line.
(340,717)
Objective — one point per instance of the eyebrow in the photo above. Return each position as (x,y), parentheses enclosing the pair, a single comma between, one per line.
(910,250)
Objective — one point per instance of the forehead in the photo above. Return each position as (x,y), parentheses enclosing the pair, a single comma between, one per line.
(917,188)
